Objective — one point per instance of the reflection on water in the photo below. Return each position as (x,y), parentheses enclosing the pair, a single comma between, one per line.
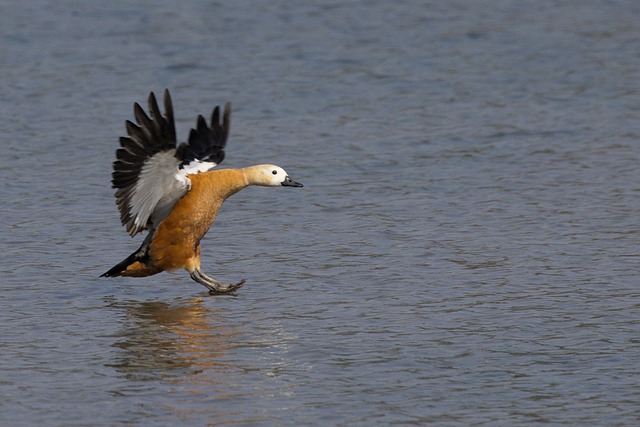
(164,340)
(204,362)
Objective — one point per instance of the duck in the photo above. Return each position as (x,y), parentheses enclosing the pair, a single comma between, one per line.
(174,192)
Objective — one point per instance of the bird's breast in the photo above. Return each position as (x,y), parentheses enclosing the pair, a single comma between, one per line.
(176,239)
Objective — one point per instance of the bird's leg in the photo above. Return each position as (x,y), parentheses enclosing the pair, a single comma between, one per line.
(213,285)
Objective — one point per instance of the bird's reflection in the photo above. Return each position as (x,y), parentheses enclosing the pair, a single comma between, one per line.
(169,340)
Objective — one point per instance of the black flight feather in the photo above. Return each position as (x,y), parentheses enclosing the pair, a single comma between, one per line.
(207,143)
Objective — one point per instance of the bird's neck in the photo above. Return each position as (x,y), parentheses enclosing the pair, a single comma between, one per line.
(220,184)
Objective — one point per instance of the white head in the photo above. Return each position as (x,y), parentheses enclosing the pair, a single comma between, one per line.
(269,176)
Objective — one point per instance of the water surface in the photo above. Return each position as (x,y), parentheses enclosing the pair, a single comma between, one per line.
(464,251)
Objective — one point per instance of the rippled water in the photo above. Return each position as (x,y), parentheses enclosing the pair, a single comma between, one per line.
(464,251)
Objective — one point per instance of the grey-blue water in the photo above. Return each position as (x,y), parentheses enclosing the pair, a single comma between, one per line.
(465,251)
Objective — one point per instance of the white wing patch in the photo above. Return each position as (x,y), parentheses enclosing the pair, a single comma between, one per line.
(160,185)
(196,166)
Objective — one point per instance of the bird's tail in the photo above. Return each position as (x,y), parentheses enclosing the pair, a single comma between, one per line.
(122,266)
(135,265)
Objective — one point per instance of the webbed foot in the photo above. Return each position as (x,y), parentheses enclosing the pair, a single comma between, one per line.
(215,287)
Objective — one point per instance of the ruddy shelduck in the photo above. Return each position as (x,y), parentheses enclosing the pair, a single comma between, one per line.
(171,191)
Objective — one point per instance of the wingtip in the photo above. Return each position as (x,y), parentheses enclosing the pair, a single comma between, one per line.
(201,124)
(141,117)
(168,104)
(153,107)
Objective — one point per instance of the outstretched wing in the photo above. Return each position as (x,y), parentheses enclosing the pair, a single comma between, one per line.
(150,174)
(146,173)
(205,149)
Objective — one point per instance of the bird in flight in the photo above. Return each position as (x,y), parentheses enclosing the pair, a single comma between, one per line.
(171,191)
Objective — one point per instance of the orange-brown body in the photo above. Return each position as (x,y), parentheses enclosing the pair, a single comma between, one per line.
(176,241)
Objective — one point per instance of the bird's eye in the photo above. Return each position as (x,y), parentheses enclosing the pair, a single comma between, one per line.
(274,172)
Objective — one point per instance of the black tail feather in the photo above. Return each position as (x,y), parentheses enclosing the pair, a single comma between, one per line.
(142,255)
(121,266)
